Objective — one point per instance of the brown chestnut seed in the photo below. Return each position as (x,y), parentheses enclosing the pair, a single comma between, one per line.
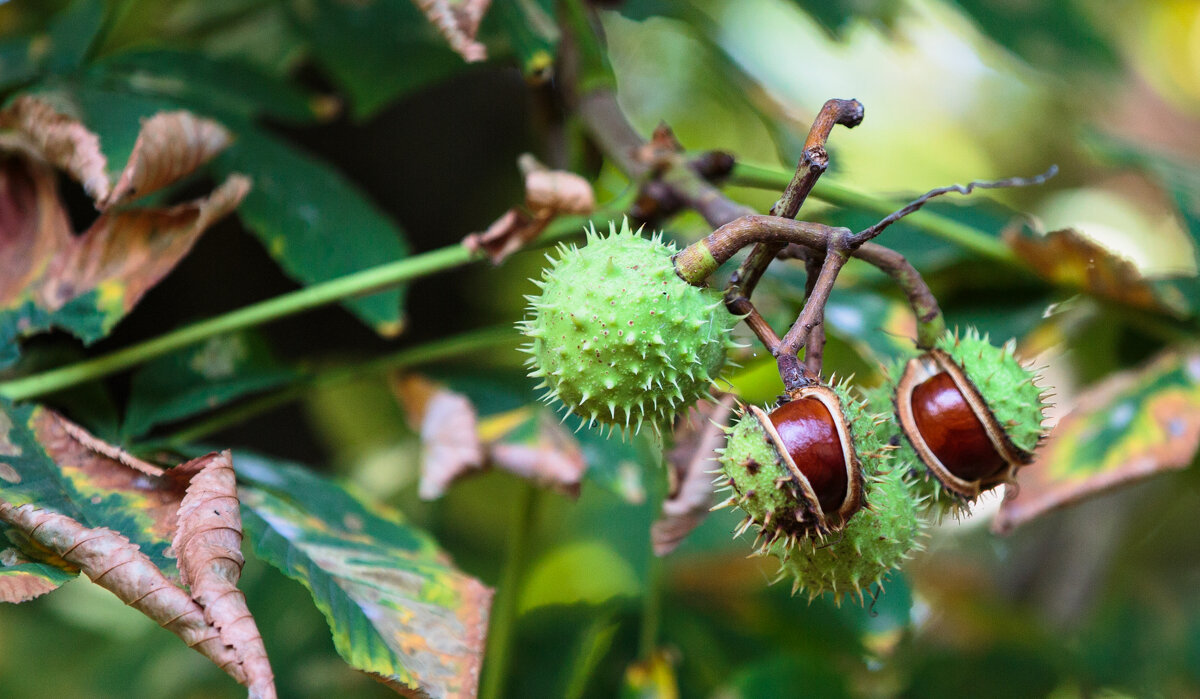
(952,431)
(951,427)
(810,437)
(815,443)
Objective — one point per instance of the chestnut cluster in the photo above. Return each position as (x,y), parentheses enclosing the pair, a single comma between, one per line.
(840,487)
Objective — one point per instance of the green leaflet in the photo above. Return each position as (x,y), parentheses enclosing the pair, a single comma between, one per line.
(201,378)
(87,317)
(43,466)
(396,606)
(1129,427)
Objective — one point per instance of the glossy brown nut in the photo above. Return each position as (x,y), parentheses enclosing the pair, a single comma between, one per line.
(807,430)
(952,430)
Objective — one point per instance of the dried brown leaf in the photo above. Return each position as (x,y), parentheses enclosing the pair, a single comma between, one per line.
(1067,258)
(117,565)
(170,146)
(507,234)
(551,457)
(450,445)
(697,436)
(33,223)
(558,192)
(61,140)
(1133,425)
(208,544)
(548,193)
(458,23)
(132,250)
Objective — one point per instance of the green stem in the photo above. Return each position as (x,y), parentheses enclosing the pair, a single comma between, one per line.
(504,608)
(833,192)
(358,284)
(412,356)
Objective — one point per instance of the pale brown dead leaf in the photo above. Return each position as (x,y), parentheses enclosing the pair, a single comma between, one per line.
(548,194)
(458,23)
(169,146)
(551,458)
(450,445)
(61,140)
(698,434)
(208,544)
(117,565)
(455,443)
(33,224)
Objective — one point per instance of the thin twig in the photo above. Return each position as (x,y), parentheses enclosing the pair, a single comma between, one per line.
(814,348)
(814,160)
(868,233)
(813,314)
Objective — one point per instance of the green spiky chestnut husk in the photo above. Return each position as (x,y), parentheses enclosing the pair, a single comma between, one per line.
(776,499)
(618,337)
(974,404)
(879,539)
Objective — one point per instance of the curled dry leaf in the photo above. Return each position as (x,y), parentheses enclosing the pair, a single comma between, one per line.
(208,543)
(117,565)
(537,448)
(1129,427)
(450,445)
(64,494)
(458,23)
(1068,258)
(525,442)
(169,146)
(698,434)
(86,283)
(548,193)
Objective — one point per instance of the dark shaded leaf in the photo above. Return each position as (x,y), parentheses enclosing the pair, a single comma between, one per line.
(315,223)
(836,15)
(1050,35)
(376,50)
(1129,427)
(201,378)
(209,84)
(396,606)
(71,34)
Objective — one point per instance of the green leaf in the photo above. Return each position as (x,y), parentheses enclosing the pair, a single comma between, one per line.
(1131,426)
(19,60)
(45,466)
(72,33)
(375,50)
(201,378)
(396,606)
(1050,35)
(836,15)
(314,222)
(779,675)
(208,84)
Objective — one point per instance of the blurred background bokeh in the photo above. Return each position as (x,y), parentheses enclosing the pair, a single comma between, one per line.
(1099,599)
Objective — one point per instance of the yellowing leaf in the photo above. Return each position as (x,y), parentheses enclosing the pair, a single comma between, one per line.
(1129,427)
